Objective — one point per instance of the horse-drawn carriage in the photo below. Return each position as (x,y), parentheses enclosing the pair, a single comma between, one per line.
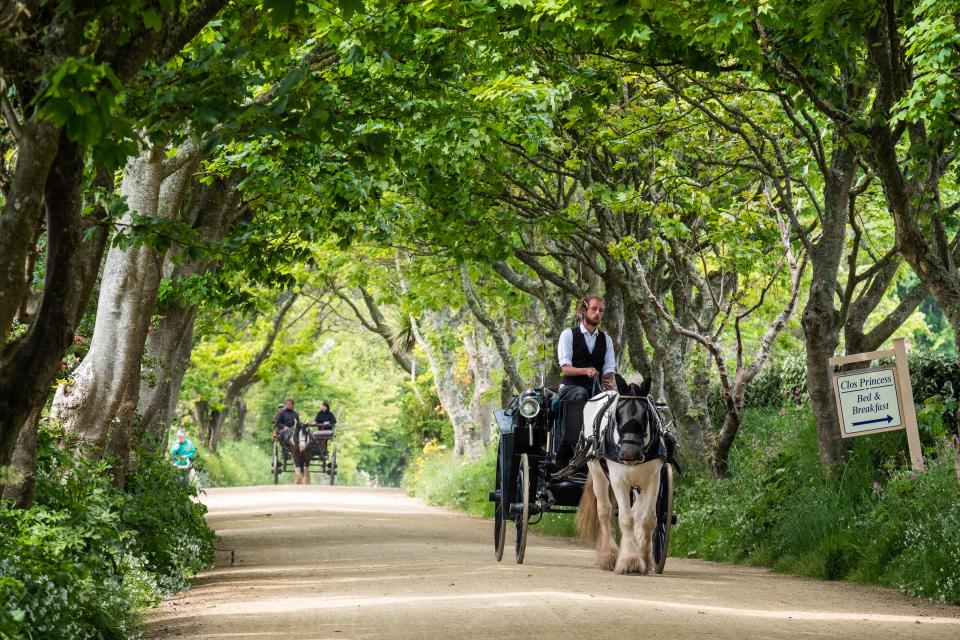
(304,447)
(543,456)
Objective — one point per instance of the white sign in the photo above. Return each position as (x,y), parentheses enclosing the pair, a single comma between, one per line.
(868,401)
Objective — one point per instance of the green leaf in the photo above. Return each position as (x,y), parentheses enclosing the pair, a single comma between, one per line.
(152,20)
(280,11)
(350,7)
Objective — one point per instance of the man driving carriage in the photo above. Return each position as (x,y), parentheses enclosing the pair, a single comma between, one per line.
(586,353)
(287,418)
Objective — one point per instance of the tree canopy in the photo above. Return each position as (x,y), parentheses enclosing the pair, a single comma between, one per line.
(204,194)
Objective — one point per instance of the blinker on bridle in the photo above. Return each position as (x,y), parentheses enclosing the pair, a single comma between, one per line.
(628,429)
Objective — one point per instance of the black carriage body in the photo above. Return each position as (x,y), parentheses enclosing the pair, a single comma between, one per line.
(548,439)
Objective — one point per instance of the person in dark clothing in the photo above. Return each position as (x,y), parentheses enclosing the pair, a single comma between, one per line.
(586,354)
(325,418)
(287,418)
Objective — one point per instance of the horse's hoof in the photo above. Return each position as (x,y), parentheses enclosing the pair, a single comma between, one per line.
(607,561)
(629,563)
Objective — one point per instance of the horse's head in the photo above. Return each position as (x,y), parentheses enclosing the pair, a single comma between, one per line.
(633,422)
(301,436)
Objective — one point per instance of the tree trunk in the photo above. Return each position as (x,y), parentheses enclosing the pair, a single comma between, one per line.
(20,491)
(75,245)
(23,213)
(167,355)
(121,433)
(614,319)
(239,418)
(467,442)
(507,361)
(89,403)
(690,415)
(483,359)
(820,319)
(720,457)
(911,184)
(169,345)
(210,420)
(31,299)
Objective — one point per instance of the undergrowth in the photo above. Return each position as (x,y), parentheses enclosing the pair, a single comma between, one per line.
(87,556)
(236,463)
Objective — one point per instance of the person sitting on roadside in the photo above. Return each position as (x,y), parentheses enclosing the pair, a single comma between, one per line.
(287,418)
(325,419)
(183,451)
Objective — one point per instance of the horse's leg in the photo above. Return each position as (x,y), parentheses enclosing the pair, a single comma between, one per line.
(298,470)
(630,560)
(306,468)
(606,540)
(646,514)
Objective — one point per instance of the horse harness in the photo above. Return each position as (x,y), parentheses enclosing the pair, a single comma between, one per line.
(603,446)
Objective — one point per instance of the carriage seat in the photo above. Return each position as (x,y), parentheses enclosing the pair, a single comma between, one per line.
(323,434)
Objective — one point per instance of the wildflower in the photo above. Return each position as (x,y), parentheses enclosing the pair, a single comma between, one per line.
(876,487)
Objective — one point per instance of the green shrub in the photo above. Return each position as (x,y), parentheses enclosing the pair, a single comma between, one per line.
(237,464)
(438,478)
(87,556)
(877,522)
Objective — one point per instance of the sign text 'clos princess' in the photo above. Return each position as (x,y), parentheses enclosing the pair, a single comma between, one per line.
(869,401)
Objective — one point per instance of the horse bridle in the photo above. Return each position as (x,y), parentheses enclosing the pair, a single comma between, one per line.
(639,431)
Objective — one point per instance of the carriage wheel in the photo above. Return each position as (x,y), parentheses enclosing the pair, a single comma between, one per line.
(522,519)
(661,534)
(499,522)
(332,466)
(275,466)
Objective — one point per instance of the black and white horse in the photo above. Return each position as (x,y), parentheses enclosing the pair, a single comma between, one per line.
(298,441)
(628,467)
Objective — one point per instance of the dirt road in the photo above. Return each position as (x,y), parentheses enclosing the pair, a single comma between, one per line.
(332,562)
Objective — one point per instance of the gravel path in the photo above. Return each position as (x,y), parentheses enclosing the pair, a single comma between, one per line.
(337,562)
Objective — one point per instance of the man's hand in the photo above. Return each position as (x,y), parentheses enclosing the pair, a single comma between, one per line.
(608,382)
(590,372)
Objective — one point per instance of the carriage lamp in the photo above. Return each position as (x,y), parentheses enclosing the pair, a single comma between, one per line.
(529,406)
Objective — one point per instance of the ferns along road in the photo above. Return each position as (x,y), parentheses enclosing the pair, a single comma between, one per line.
(340,562)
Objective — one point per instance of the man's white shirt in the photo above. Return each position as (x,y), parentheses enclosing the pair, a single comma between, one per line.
(565,348)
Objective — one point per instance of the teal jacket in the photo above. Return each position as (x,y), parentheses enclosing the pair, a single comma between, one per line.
(182,450)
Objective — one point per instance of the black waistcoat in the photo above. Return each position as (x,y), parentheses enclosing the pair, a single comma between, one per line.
(583,358)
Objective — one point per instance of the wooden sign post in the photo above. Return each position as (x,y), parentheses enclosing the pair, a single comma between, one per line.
(878,399)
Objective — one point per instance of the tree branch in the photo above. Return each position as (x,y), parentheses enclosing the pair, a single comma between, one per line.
(509,363)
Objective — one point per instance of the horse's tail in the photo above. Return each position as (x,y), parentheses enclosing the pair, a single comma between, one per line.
(588,522)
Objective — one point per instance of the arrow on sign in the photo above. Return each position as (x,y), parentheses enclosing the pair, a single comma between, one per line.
(888,420)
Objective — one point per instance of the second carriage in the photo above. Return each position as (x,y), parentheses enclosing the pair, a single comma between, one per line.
(539,468)
(324,456)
